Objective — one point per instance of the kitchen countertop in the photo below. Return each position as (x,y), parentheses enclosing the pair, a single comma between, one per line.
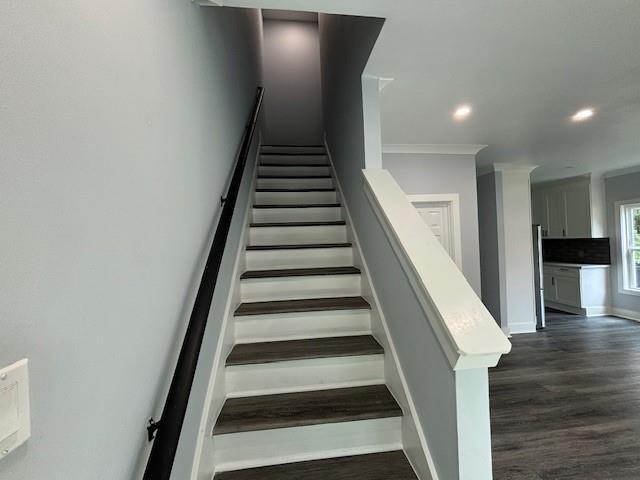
(575,265)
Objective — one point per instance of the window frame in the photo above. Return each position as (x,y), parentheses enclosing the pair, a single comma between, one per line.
(627,247)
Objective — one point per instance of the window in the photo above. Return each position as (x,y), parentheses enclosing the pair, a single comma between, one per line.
(630,238)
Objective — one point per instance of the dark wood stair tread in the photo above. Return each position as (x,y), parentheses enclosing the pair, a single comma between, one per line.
(293,190)
(295,205)
(267,164)
(300,272)
(295,177)
(293,154)
(265,412)
(282,351)
(374,466)
(299,246)
(299,224)
(304,305)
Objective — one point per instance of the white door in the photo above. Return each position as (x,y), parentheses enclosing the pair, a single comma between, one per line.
(437,216)
(441,212)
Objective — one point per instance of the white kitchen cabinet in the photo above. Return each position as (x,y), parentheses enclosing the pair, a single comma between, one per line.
(576,202)
(567,283)
(549,284)
(579,289)
(538,207)
(563,209)
(555,212)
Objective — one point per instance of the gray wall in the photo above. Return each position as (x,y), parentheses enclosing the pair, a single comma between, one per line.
(620,188)
(345,44)
(489,254)
(291,66)
(120,122)
(429,173)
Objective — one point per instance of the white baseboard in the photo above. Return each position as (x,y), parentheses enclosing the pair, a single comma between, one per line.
(518,328)
(626,314)
(565,308)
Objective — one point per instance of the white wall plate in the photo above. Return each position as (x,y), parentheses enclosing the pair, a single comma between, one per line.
(15,419)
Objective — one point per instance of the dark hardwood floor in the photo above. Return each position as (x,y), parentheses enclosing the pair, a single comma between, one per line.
(565,404)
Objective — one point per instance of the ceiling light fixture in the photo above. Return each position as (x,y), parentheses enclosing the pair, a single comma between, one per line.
(462,112)
(582,115)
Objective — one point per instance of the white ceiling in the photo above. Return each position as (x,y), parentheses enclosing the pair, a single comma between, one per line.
(524,65)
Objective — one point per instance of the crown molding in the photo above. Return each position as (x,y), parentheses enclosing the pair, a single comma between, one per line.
(439,149)
(513,167)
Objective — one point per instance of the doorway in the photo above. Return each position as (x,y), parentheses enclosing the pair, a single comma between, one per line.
(441,212)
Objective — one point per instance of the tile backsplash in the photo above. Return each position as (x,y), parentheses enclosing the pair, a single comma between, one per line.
(577,250)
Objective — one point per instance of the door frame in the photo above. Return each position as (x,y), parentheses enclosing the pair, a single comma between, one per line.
(453,201)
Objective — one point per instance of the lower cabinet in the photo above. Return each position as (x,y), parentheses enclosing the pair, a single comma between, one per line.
(583,290)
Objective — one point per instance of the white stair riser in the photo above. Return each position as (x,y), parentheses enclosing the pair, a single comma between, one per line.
(295,159)
(304,375)
(290,326)
(295,235)
(294,183)
(294,288)
(285,445)
(318,214)
(299,258)
(294,198)
(288,170)
(292,149)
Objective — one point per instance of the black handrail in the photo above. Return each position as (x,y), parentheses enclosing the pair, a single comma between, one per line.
(167,430)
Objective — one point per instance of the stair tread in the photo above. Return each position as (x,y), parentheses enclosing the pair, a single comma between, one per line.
(374,466)
(300,272)
(298,409)
(293,154)
(293,190)
(299,224)
(295,205)
(299,246)
(281,351)
(295,177)
(303,305)
(267,164)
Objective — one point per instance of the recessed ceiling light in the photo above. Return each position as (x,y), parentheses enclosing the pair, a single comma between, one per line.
(582,115)
(462,112)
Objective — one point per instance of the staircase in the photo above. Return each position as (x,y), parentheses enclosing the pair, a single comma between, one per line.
(305,381)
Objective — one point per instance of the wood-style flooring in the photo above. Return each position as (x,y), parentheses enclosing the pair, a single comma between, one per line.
(565,404)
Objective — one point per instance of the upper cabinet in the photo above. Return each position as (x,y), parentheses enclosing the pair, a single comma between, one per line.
(563,209)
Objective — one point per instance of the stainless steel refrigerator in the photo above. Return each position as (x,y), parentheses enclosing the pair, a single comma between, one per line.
(538,269)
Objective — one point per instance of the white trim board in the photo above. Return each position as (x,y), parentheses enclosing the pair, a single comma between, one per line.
(453,199)
(439,149)
(213,404)
(626,314)
(412,431)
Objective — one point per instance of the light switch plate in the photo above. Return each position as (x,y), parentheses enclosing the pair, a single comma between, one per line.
(15,415)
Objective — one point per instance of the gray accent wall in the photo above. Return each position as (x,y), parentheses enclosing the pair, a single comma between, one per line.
(620,188)
(120,122)
(291,70)
(435,173)
(489,244)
